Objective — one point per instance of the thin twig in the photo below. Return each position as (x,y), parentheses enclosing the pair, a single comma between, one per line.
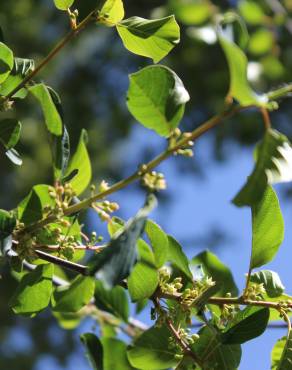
(194,135)
(92,16)
(182,344)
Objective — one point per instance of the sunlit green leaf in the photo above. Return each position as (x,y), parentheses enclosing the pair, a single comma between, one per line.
(142,281)
(239,88)
(151,350)
(271,281)
(149,38)
(267,229)
(112,12)
(6,61)
(68,320)
(247,324)
(81,162)
(52,118)
(34,291)
(63,4)
(114,300)
(273,165)
(115,262)
(159,242)
(282,354)
(159,109)
(177,257)
(71,298)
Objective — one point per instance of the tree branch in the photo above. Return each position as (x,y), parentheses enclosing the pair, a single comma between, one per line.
(194,135)
(92,16)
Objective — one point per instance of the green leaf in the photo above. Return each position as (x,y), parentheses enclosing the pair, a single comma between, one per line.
(213,353)
(7,224)
(219,272)
(52,118)
(94,350)
(159,242)
(63,4)
(267,229)
(114,300)
(237,61)
(271,281)
(112,12)
(261,42)
(151,349)
(273,165)
(6,61)
(177,257)
(115,355)
(71,298)
(251,12)
(34,291)
(30,208)
(282,353)
(249,323)
(142,281)
(21,68)
(159,109)
(115,262)
(68,320)
(9,132)
(81,162)
(194,12)
(150,38)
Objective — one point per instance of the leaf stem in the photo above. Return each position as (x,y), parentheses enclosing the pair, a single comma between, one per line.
(183,345)
(266,118)
(92,16)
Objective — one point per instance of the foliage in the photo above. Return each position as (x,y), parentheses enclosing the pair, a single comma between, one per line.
(140,261)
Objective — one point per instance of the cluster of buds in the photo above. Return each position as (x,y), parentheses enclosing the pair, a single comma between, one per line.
(73,18)
(178,137)
(285,307)
(255,292)
(26,248)
(190,295)
(62,196)
(169,287)
(104,209)
(228,311)
(67,244)
(154,181)
(185,336)
(5,105)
